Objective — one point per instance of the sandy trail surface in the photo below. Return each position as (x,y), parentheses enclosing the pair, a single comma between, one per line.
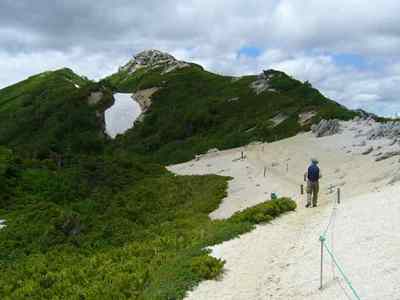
(281,260)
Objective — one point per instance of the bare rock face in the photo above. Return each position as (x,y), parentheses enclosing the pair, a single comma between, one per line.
(95,97)
(390,130)
(262,83)
(326,127)
(153,59)
(306,117)
(278,119)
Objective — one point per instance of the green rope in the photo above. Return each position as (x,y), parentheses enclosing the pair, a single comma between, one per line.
(322,239)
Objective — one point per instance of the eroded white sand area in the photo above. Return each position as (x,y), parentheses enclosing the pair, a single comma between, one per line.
(281,260)
(121,116)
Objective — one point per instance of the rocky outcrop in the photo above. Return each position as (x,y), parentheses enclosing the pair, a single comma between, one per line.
(95,98)
(390,130)
(326,127)
(262,83)
(153,59)
(278,119)
(306,117)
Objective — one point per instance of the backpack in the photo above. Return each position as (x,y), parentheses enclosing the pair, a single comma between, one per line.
(313,173)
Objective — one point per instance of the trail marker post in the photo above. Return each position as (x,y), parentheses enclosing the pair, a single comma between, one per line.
(338,195)
(322,240)
(242,157)
(302,189)
(265,171)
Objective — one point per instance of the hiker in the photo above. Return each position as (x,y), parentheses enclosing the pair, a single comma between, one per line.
(312,175)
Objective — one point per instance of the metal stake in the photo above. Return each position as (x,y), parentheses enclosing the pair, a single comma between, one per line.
(322,239)
(338,195)
(265,171)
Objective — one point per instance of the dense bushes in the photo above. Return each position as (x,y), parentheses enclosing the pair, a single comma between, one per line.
(138,233)
(48,115)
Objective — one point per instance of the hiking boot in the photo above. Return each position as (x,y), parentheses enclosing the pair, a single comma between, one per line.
(308,205)
(314,205)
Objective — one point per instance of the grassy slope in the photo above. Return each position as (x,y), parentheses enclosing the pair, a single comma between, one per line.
(47,114)
(192,112)
(110,229)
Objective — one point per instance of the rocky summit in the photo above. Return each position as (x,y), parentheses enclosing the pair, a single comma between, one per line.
(153,59)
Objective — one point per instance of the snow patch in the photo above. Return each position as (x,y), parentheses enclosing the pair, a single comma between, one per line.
(2,225)
(121,116)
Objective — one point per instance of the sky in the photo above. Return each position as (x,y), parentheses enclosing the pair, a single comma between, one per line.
(350,50)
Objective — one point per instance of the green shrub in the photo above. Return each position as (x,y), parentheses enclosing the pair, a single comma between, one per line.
(264,212)
(207,267)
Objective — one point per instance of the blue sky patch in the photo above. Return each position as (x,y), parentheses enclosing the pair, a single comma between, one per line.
(250,51)
(348,59)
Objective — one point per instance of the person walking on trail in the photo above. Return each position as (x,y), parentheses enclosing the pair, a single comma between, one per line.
(313,175)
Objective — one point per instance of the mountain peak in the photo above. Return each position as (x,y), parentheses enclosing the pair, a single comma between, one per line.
(152,59)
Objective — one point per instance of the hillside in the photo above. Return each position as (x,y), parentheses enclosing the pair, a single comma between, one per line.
(51,113)
(193,110)
(188,110)
(89,217)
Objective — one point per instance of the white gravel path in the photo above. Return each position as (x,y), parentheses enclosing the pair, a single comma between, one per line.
(281,260)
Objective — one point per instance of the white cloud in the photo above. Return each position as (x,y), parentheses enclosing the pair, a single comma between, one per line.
(299,37)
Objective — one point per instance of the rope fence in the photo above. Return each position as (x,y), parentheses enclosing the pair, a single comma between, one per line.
(330,251)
